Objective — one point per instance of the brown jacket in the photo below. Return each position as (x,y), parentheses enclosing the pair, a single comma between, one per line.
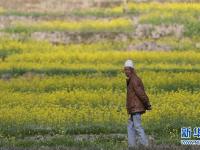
(137,100)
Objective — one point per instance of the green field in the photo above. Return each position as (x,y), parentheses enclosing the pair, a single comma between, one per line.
(51,93)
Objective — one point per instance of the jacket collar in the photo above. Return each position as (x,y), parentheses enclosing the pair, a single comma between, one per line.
(128,80)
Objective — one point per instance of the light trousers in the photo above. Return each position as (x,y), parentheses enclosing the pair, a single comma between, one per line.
(135,129)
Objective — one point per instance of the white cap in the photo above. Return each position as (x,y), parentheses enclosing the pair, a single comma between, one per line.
(129,63)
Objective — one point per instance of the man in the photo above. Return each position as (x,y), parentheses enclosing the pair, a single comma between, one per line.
(137,102)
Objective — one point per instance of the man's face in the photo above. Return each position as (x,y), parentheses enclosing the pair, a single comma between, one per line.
(128,71)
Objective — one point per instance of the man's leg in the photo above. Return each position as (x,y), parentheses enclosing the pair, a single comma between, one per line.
(131,134)
(139,129)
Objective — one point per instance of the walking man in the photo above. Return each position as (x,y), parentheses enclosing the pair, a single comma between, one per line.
(137,102)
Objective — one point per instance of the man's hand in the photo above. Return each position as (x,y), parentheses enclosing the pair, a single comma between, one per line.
(147,106)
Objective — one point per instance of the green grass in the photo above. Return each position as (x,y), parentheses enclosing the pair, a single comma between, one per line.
(67,142)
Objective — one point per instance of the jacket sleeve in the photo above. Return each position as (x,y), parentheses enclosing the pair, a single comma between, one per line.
(140,92)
